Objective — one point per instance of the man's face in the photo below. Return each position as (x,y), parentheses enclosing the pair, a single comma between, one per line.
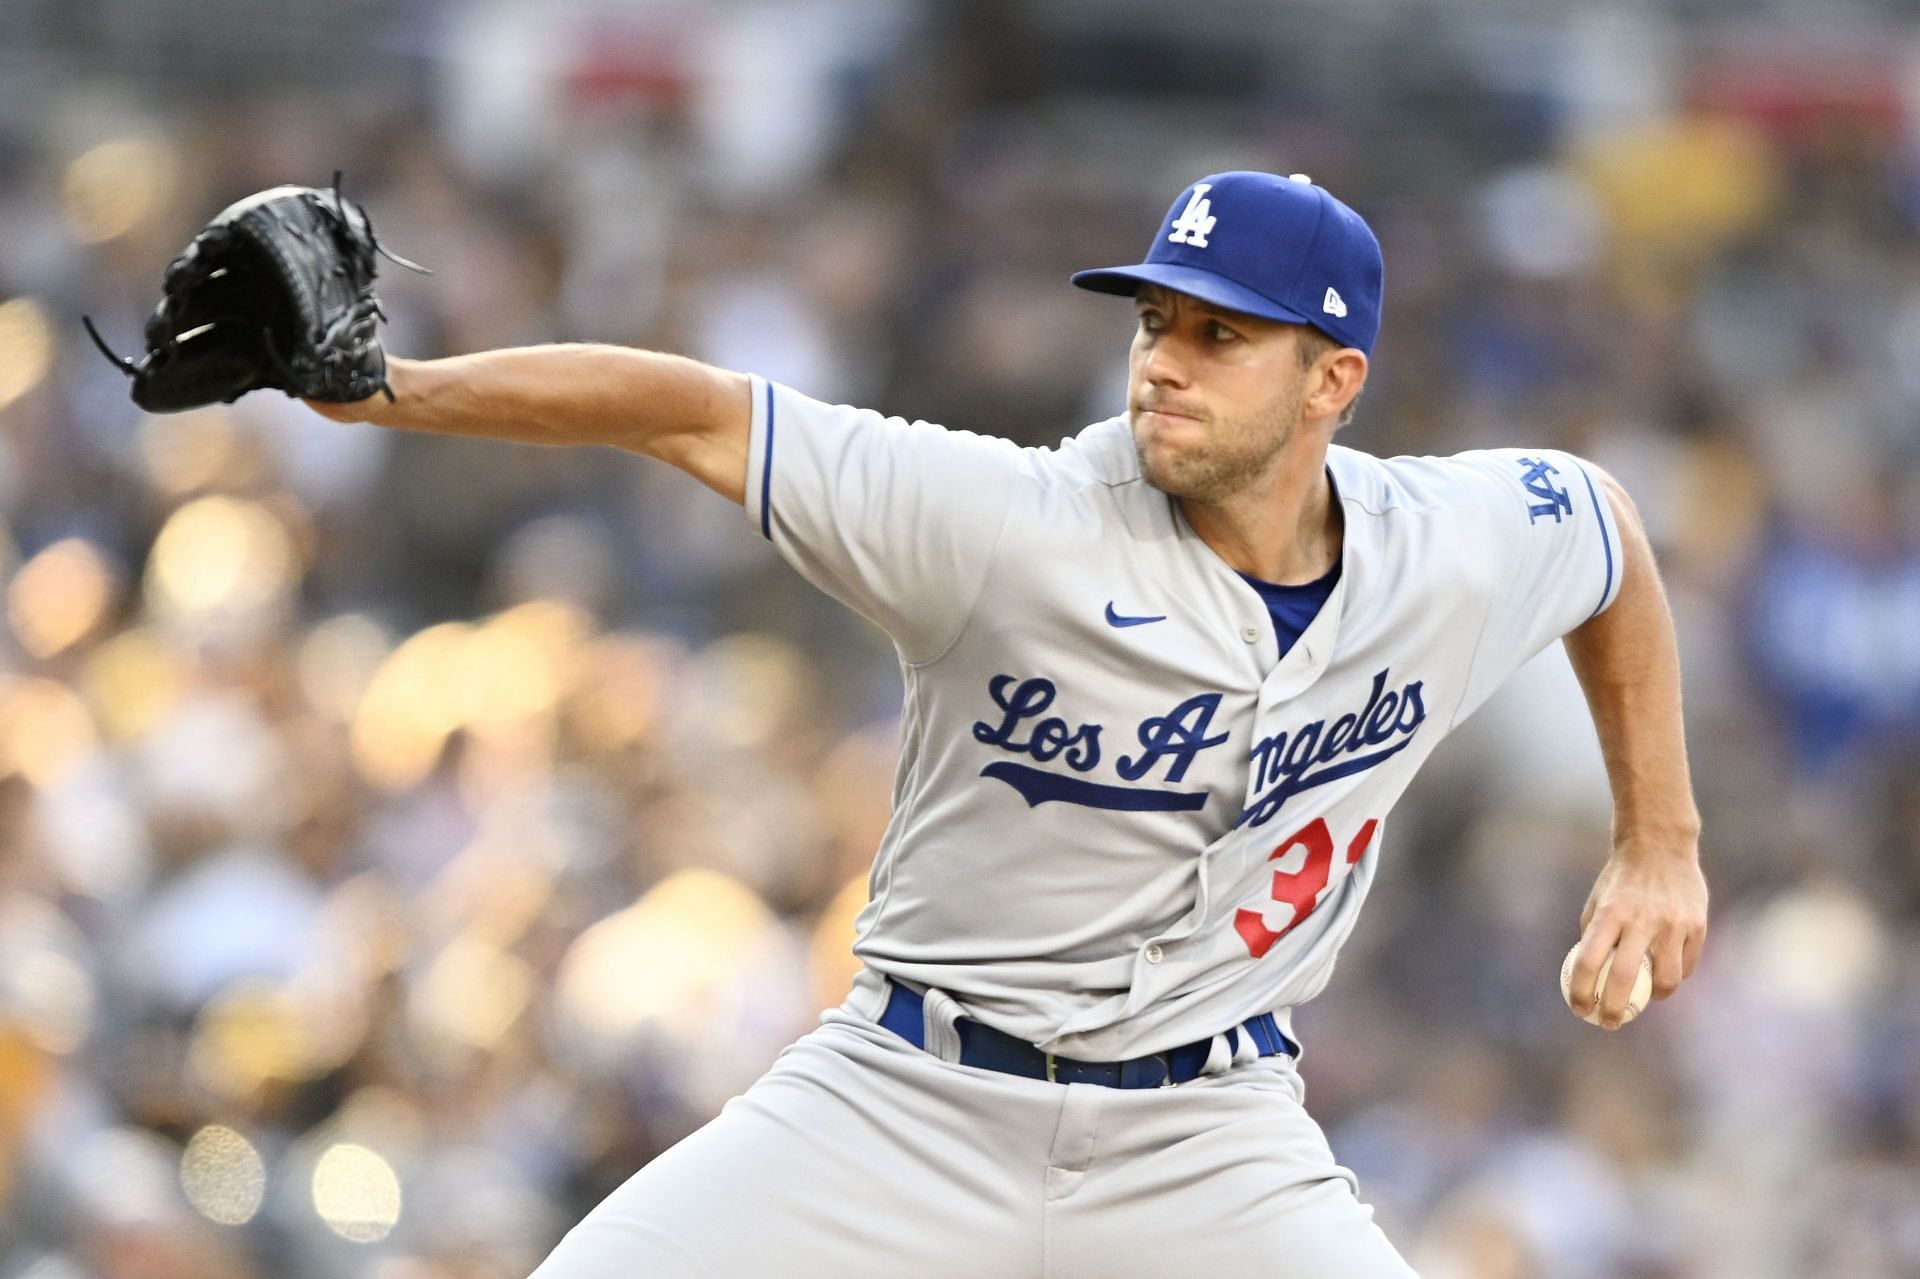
(1213,395)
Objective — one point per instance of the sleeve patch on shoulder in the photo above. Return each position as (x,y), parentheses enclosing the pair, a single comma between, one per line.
(1547,498)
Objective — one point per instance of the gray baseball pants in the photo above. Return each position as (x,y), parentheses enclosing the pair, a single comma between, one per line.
(858,1155)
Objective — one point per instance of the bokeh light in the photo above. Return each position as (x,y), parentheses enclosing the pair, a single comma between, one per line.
(338,661)
(501,680)
(60,994)
(254,1033)
(473,993)
(221,562)
(31,1074)
(831,954)
(516,664)
(619,686)
(46,991)
(356,1193)
(132,681)
(412,703)
(1817,948)
(223,1175)
(111,188)
(45,729)
(1682,182)
(59,596)
(93,835)
(26,347)
(498,886)
(754,684)
(661,957)
(366,928)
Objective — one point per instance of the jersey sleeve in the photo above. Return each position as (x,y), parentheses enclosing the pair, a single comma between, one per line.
(1553,550)
(898,520)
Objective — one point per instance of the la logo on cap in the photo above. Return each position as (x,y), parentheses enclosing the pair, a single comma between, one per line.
(1335,304)
(1196,220)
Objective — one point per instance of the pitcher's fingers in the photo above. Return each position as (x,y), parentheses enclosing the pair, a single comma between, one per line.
(1595,945)
(1669,963)
(1627,955)
(1696,938)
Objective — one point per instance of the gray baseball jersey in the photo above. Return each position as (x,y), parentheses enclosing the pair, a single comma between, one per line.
(1122,821)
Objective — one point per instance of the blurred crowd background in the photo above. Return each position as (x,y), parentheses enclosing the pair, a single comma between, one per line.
(403,840)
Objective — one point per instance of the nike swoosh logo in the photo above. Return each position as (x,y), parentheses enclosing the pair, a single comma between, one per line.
(1116,619)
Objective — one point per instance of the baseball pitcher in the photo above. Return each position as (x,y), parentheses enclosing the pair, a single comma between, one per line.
(1163,684)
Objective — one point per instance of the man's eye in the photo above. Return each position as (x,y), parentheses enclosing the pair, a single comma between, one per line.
(1149,321)
(1221,333)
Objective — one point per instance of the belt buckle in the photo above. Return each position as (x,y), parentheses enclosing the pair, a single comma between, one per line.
(1050,1075)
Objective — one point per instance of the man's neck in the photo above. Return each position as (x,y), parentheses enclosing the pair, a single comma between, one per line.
(1284,527)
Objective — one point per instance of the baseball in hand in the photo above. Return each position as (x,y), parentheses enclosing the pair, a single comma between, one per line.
(1642,987)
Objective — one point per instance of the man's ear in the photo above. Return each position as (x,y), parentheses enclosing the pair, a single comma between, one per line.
(1335,383)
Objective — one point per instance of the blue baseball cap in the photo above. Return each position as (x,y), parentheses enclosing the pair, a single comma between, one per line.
(1277,247)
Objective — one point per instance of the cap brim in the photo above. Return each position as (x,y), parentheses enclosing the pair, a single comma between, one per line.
(1191,280)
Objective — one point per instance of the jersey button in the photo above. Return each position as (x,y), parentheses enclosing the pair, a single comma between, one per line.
(1155,954)
(1251,634)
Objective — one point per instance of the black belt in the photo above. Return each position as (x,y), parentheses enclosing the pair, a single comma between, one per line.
(983,1046)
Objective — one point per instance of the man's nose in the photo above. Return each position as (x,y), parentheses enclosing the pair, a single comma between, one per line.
(1165,363)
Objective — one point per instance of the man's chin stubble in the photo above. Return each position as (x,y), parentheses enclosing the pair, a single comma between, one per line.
(1210,480)
(1207,482)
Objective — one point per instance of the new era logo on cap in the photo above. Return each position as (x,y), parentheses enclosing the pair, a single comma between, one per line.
(1278,247)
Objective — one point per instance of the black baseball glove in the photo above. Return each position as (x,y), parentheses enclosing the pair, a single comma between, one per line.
(277,291)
